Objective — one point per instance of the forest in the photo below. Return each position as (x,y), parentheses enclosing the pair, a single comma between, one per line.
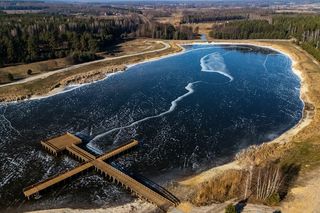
(165,31)
(213,15)
(35,37)
(304,29)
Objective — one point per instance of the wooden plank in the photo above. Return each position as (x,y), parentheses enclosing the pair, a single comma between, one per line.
(119,150)
(84,155)
(50,147)
(68,142)
(61,142)
(134,185)
(31,190)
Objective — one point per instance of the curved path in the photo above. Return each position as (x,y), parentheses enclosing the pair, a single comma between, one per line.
(47,74)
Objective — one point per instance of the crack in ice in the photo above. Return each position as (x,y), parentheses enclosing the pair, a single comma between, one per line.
(213,63)
(173,106)
(8,122)
(266,59)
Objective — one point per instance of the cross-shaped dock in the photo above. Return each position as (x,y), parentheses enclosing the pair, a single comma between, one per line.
(68,142)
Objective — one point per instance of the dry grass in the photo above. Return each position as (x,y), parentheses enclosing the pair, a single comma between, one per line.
(221,188)
(174,19)
(266,184)
(125,48)
(131,47)
(20,71)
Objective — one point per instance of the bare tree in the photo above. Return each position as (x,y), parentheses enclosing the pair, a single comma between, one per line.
(268,182)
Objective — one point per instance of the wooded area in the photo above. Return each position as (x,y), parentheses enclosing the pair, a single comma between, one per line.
(304,28)
(165,31)
(35,37)
(27,38)
(214,15)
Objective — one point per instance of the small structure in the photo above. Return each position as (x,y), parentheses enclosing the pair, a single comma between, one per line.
(68,142)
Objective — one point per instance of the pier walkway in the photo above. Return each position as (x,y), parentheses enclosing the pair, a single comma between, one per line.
(130,183)
(45,184)
(69,143)
(80,153)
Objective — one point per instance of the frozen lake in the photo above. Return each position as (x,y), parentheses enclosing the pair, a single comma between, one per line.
(190,111)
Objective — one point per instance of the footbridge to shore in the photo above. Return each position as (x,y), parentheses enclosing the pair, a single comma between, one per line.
(69,143)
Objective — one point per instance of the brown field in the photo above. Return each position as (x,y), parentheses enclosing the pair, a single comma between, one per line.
(20,71)
(130,47)
(174,19)
(22,11)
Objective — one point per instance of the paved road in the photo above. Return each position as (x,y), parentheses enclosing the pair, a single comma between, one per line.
(47,74)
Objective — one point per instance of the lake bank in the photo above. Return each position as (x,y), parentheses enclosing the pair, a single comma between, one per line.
(305,133)
(53,82)
(299,71)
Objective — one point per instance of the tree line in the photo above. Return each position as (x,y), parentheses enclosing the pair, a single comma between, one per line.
(28,38)
(212,15)
(165,31)
(35,37)
(305,29)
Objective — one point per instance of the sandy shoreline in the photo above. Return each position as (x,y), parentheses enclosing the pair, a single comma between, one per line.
(307,118)
(284,137)
(304,66)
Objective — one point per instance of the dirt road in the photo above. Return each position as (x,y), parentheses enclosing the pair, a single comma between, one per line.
(47,74)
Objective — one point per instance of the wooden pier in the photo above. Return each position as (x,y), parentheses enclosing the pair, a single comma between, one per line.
(69,142)
(45,184)
(60,143)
